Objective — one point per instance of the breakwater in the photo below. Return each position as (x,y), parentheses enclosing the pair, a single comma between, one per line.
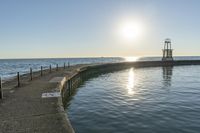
(27,97)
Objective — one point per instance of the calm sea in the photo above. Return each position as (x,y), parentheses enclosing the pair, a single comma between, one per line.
(139,100)
(9,67)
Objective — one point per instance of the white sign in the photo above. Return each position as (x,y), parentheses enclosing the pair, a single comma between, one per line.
(51,94)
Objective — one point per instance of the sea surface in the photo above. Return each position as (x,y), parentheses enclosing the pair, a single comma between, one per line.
(138,100)
(9,67)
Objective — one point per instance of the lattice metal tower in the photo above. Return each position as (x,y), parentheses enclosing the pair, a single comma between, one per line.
(167,51)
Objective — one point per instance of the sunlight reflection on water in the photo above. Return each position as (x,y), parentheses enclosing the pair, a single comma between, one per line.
(131,59)
(131,82)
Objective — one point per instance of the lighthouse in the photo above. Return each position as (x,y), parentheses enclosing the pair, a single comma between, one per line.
(167,51)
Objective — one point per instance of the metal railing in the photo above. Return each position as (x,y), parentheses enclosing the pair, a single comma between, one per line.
(20,79)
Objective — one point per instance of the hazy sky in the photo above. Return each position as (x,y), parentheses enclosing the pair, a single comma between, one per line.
(87,28)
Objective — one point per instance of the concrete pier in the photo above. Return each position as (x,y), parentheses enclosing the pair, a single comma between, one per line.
(37,105)
(23,110)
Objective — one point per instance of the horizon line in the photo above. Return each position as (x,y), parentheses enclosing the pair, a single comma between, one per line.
(94,57)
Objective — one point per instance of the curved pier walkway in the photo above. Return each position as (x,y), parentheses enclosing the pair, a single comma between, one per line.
(24,111)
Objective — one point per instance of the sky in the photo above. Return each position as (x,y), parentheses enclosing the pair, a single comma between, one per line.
(92,28)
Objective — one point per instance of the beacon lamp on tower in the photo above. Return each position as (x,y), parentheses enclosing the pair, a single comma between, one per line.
(167,51)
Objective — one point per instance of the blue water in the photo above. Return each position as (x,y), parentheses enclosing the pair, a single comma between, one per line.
(139,100)
(9,67)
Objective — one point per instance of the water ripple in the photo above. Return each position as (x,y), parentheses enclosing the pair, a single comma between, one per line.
(145,100)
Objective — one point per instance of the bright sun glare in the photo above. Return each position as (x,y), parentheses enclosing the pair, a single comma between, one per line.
(131,30)
(131,59)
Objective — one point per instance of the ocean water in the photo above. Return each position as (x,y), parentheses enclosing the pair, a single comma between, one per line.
(138,100)
(9,67)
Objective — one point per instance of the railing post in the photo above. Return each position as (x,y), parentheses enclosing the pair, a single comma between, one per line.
(68,64)
(18,79)
(56,67)
(50,68)
(71,83)
(1,89)
(69,87)
(64,65)
(41,71)
(31,73)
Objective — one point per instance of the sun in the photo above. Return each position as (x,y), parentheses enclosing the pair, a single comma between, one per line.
(131,30)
